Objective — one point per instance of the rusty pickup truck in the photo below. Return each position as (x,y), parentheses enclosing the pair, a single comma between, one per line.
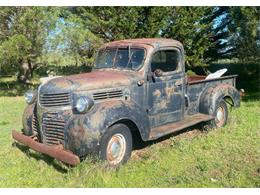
(137,88)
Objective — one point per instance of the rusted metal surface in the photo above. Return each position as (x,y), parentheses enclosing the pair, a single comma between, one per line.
(210,97)
(28,119)
(191,79)
(84,132)
(173,127)
(56,152)
(201,79)
(145,42)
(200,93)
(154,105)
(93,80)
(116,149)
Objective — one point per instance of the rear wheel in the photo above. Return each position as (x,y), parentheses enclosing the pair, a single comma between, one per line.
(116,145)
(220,115)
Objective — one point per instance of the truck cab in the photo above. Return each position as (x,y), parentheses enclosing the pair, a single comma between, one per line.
(137,88)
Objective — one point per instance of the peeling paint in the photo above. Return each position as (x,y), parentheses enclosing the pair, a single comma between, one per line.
(153,107)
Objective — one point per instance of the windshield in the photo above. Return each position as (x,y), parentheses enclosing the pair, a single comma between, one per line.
(122,58)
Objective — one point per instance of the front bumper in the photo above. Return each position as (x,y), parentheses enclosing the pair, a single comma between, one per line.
(56,152)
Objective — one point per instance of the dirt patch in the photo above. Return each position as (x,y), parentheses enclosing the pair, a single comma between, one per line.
(190,134)
(145,151)
(140,154)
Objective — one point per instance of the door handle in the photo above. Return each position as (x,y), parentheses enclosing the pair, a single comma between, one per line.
(140,83)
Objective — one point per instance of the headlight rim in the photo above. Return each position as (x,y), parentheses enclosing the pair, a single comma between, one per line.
(88,104)
(32,96)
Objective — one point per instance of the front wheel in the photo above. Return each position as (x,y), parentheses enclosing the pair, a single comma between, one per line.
(116,145)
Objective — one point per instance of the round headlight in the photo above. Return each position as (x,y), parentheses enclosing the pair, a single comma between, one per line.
(29,96)
(83,104)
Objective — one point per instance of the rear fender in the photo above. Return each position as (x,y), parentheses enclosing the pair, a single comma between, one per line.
(213,94)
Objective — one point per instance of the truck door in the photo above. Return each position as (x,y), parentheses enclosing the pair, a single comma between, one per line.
(165,87)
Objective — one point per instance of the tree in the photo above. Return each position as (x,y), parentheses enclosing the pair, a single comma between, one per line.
(245,33)
(73,40)
(30,36)
(23,37)
(236,34)
(221,47)
(192,26)
(207,33)
(114,23)
(186,24)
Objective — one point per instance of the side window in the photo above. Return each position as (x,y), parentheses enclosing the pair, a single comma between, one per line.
(165,60)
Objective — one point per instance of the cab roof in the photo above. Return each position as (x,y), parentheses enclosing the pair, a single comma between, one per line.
(146,42)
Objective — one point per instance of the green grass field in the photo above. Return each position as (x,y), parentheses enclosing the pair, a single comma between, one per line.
(227,157)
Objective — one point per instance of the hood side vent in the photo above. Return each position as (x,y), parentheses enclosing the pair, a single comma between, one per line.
(107,95)
(58,99)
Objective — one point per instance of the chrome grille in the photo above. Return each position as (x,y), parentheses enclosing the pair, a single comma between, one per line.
(107,95)
(55,99)
(53,128)
(35,124)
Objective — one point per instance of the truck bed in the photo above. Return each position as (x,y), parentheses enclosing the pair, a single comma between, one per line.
(201,79)
(196,86)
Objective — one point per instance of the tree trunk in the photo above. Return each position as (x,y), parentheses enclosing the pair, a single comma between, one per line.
(25,71)
(31,67)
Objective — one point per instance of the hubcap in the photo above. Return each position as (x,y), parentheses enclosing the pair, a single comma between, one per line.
(220,117)
(116,149)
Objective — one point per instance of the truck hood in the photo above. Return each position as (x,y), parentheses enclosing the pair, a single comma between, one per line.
(89,81)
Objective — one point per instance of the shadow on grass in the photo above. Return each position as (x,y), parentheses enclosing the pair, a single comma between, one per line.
(251,87)
(251,96)
(11,88)
(62,70)
(38,156)
(138,145)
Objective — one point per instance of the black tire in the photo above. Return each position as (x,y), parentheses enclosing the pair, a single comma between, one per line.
(220,115)
(116,145)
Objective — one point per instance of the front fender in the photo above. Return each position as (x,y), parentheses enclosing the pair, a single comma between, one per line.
(85,131)
(128,110)
(211,95)
(27,120)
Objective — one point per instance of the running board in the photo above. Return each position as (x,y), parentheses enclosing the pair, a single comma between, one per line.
(188,121)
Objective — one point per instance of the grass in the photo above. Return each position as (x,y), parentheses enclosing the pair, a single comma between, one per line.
(227,157)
